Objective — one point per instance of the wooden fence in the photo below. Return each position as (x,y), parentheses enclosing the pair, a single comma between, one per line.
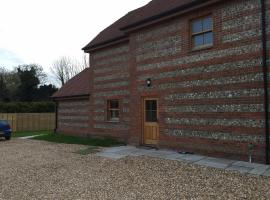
(29,121)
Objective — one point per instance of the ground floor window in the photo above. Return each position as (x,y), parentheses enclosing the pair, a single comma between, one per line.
(113,110)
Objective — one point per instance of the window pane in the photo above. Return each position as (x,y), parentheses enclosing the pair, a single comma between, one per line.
(150,105)
(113,110)
(207,24)
(151,116)
(114,104)
(197,26)
(114,115)
(197,40)
(208,38)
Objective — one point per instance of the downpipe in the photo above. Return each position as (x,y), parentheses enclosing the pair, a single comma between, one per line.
(265,78)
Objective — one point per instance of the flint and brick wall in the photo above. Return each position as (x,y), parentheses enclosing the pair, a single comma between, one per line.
(210,101)
(110,80)
(73,117)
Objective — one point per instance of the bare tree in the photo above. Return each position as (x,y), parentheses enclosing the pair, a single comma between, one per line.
(65,68)
(86,60)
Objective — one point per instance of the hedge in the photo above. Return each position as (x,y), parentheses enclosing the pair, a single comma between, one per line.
(27,107)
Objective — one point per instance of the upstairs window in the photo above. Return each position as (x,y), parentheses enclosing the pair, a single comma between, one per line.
(202,32)
(113,110)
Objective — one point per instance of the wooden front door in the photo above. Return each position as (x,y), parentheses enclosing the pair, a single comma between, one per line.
(150,121)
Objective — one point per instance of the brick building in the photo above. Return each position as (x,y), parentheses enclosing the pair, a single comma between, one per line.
(184,74)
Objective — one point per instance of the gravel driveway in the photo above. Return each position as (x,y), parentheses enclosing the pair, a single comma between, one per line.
(41,170)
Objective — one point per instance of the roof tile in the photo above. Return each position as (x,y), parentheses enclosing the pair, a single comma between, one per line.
(79,85)
(147,12)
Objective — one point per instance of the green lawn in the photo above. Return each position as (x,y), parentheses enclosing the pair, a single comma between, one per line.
(58,138)
(29,133)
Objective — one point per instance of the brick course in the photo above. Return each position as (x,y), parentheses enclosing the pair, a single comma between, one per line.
(73,117)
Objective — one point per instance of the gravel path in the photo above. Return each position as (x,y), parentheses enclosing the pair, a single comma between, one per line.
(40,170)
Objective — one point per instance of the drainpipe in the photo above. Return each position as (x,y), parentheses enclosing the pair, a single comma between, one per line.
(265,78)
(56,116)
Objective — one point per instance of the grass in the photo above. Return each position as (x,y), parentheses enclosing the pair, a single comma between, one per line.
(59,138)
(29,133)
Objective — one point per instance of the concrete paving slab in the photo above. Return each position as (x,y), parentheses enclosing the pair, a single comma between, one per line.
(168,152)
(136,154)
(259,170)
(139,152)
(175,156)
(113,156)
(207,163)
(240,169)
(219,160)
(239,166)
(150,153)
(162,156)
(267,173)
(120,148)
(157,153)
(126,151)
(192,158)
(247,164)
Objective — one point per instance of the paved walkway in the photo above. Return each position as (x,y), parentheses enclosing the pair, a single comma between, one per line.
(30,137)
(240,166)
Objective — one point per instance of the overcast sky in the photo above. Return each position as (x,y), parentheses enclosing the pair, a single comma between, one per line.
(40,31)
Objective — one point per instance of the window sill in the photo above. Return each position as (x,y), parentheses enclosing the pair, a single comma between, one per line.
(201,48)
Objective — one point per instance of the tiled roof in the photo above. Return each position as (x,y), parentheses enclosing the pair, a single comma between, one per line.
(79,85)
(151,11)
(155,8)
(110,33)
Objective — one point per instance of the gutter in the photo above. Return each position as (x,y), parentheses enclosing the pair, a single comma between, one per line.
(265,79)
(169,13)
(107,43)
(195,4)
(71,97)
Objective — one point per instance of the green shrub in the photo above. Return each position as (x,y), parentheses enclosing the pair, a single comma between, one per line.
(27,107)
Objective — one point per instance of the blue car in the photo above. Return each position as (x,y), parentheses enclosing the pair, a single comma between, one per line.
(5,130)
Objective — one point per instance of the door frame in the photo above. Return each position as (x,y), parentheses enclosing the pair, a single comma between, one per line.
(143,99)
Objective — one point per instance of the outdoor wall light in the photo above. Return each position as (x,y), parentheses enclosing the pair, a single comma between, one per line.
(149,82)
